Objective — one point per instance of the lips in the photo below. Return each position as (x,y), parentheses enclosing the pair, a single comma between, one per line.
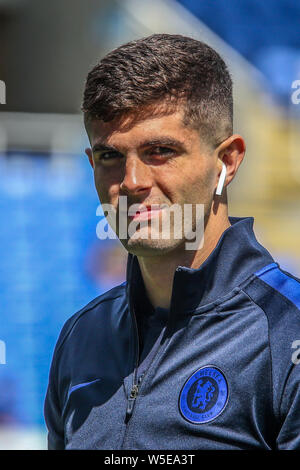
(148,207)
(145,212)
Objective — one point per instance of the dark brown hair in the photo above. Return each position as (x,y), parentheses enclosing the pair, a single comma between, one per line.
(163,68)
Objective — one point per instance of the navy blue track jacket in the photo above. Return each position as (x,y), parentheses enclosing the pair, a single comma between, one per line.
(218,371)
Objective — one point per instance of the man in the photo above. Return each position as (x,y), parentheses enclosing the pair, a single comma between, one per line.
(194,350)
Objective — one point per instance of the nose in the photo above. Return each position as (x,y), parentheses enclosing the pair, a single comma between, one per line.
(137,178)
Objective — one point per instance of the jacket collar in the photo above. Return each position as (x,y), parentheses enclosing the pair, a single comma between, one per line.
(236,256)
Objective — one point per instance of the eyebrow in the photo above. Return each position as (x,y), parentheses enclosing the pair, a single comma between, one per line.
(100,147)
(160,141)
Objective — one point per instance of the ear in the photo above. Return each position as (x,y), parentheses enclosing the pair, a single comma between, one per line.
(231,152)
(89,153)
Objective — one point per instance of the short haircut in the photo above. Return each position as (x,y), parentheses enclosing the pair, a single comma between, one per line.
(163,68)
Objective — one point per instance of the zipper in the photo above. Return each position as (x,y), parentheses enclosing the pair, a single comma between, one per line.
(132,397)
(135,383)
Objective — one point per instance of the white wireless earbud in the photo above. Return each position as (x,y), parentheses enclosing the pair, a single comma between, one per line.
(221,180)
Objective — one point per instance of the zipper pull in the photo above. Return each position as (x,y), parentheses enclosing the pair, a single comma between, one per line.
(133,394)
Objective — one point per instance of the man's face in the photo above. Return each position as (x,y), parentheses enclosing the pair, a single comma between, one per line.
(156,162)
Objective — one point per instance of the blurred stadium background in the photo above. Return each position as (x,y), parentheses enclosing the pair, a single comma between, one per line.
(52,263)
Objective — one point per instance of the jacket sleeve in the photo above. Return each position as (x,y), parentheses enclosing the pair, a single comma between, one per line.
(52,412)
(289,434)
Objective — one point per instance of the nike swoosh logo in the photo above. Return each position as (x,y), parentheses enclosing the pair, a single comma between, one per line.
(84,384)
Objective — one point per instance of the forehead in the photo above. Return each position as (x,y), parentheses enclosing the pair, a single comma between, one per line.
(133,129)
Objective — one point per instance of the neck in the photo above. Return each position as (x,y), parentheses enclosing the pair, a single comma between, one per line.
(158,271)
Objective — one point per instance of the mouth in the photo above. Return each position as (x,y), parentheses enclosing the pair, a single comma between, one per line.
(145,212)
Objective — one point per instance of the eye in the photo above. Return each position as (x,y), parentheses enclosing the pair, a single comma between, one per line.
(109,157)
(163,151)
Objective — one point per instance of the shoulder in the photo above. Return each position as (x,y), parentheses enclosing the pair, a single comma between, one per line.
(277,293)
(105,304)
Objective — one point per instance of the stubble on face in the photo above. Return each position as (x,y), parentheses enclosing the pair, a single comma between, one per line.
(187,177)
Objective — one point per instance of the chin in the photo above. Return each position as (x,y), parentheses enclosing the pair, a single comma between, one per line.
(150,247)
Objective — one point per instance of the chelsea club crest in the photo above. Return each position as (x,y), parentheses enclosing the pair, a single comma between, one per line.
(204,395)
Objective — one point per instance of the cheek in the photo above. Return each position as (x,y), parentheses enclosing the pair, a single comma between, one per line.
(194,186)
(107,189)
(204,182)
